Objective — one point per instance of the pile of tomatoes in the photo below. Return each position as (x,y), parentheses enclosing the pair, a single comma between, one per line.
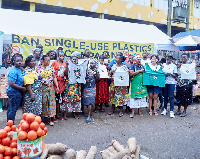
(31,127)
(8,143)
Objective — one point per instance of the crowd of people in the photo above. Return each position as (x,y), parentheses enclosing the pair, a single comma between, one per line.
(48,84)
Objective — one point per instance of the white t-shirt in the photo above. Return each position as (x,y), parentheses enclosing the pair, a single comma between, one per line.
(154,68)
(171,68)
(143,62)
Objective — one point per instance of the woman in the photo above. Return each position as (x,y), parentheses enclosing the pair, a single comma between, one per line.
(89,88)
(15,86)
(184,90)
(32,99)
(119,95)
(102,87)
(154,82)
(138,92)
(59,67)
(48,78)
(52,55)
(72,93)
(170,70)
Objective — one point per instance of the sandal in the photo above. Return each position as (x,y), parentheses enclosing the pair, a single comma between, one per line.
(51,123)
(65,118)
(183,115)
(110,113)
(131,116)
(102,110)
(59,118)
(178,113)
(150,113)
(141,114)
(96,111)
(55,120)
(121,114)
(155,113)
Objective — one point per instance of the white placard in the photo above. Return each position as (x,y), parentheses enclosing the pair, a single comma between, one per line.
(121,78)
(103,71)
(188,71)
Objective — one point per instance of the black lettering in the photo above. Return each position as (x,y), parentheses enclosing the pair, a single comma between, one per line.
(25,40)
(67,44)
(15,38)
(149,48)
(74,45)
(59,43)
(143,48)
(67,53)
(119,47)
(53,42)
(47,42)
(96,55)
(126,46)
(136,46)
(131,48)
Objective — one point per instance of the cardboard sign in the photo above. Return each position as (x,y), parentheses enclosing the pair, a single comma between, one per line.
(103,71)
(121,78)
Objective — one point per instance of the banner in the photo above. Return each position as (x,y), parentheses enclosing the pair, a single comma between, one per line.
(25,44)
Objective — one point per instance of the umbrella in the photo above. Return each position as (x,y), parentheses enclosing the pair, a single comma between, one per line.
(194,33)
(187,41)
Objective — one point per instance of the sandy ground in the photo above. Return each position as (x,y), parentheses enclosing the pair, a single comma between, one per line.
(160,137)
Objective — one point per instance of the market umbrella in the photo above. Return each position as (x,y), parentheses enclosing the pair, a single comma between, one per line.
(187,41)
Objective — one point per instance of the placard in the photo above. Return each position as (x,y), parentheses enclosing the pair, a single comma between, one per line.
(188,71)
(121,78)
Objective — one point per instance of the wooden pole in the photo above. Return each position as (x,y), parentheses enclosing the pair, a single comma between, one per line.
(169,18)
(188,19)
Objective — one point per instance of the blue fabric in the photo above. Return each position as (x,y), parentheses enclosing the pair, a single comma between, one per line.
(14,103)
(169,93)
(15,74)
(137,67)
(154,89)
(160,96)
(114,62)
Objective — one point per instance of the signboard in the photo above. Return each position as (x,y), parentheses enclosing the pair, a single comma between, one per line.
(26,43)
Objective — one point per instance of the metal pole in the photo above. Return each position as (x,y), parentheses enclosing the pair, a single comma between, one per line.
(188,19)
(169,18)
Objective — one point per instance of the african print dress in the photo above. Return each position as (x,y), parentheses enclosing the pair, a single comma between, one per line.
(35,107)
(48,93)
(89,88)
(72,97)
(119,95)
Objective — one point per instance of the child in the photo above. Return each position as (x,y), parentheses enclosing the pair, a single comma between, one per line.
(59,67)
(89,88)
(102,88)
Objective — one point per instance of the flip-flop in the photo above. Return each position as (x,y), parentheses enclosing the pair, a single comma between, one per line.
(121,114)
(150,113)
(131,116)
(51,123)
(183,115)
(178,113)
(155,113)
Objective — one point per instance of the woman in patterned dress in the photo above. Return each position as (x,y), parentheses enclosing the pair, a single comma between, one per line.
(32,99)
(119,95)
(48,78)
(72,93)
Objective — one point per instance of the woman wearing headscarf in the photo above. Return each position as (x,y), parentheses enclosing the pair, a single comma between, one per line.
(32,98)
(48,80)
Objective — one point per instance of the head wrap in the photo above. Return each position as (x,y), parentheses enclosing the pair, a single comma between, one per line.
(138,57)
(75,53)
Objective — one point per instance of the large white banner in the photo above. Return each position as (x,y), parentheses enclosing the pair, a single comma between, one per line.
(188,71)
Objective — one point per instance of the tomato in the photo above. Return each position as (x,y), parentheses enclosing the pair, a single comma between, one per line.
(2,149)
(22,135)
(46,130)
(7,128)
(6,141)
(42,125)
(16,157)
(14,151)
(3,133)
(7,157)
(43,132)
(34,126)
(38,119)
(14,139)
(8,151)
(13,128)
(39,132)
(1,156)
(24,126)
(10,123)
(9,134)
(30,117)
(13,145)
(32,135)
(24,116)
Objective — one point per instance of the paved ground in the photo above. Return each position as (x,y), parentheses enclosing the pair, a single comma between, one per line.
(159,136)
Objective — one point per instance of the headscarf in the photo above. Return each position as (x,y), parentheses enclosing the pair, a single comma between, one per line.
(75,53)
